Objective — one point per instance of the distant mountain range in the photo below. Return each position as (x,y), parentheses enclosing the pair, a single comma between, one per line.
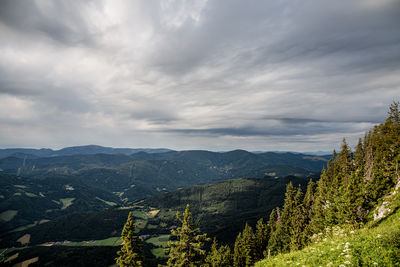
(315,153)
(75,150)
(95,149)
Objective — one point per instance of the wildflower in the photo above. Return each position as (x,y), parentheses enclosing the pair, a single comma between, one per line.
(342,265)
(378,236)
(329,264)
(347,262)
(347,256)
(352,232)
(332,249)
(375,263)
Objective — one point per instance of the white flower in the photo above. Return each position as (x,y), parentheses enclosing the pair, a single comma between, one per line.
(329,264)
(348,256)
(375,263)
(351,232)
(347,262)
(378,236)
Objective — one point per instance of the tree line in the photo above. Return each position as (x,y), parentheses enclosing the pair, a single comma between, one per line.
(348,189)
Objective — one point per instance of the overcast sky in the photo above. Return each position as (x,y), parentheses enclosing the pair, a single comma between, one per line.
(217,75)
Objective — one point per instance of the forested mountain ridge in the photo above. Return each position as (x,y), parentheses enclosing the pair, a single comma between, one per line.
(28,202)
(237,201)
(37,189)
(143,174)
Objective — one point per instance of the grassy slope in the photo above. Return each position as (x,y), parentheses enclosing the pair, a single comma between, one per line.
(377,244)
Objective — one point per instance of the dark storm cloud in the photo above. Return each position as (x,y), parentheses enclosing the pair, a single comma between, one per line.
(291,75)
(302,127)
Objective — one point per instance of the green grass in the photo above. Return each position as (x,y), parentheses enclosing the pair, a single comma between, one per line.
(151,226)
(159,252)
(21,186)
(140,214)
(66,202)
(8,215)
(160,241)
(378,244)
(24,227)
(110,203)
(112,241)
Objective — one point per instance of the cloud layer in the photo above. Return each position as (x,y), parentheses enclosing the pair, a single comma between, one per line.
(272,75)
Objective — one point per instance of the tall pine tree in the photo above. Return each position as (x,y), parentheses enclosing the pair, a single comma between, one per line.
(131,253)
(188,250)
(219,256)
(244,250)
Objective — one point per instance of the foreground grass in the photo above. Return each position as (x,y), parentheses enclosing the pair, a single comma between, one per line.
(377,245)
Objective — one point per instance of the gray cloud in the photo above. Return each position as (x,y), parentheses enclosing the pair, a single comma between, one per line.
(196,74)
(63,22)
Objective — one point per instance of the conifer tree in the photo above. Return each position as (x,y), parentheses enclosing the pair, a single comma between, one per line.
(309,199)
(280,239)
(354,205)
(345,166)
(272,222)
(383,151)
(219,256)
(244,248)
(261,239)
(188,250)
(297,222)
(131,253)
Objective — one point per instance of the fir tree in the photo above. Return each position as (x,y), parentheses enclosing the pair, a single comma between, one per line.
(308,202)
(188,250)
(297,222)
(261,239)
(219,256)
(131,251)
(309,199)
(273,221)
(244,248)
(280,239)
